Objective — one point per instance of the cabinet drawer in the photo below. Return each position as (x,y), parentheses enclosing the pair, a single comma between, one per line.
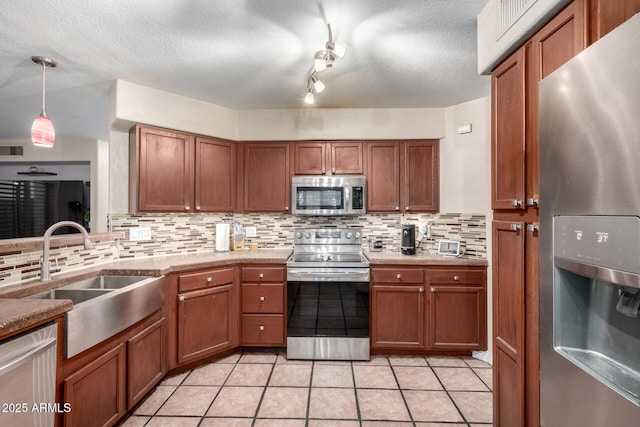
(465,277)
(263,298)
(262,329)
(204,279)
(399,275)
(263,274)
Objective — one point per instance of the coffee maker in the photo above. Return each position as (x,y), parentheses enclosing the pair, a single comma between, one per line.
(408,245)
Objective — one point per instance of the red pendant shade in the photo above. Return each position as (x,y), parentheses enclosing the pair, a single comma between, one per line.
(42,132)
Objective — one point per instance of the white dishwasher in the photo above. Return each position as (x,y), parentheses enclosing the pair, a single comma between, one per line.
(28,378)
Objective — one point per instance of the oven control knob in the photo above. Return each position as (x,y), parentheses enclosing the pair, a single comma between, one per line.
(298,234)
(307,235)
(348,235)
(357,235)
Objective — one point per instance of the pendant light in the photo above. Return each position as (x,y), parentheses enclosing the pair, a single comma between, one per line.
(42,132)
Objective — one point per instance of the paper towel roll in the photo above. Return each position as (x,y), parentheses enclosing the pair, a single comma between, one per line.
(222,237)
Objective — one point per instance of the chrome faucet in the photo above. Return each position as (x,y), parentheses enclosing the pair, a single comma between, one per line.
(45,270)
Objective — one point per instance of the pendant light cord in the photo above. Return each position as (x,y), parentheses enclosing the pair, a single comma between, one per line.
(44,71)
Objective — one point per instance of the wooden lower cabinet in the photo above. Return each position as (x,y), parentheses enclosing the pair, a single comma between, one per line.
(97,392)
(263,294)
(146,365)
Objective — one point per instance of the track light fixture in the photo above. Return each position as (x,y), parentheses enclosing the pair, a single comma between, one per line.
(322,60)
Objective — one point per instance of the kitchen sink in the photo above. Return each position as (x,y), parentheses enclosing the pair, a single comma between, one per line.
(105,305)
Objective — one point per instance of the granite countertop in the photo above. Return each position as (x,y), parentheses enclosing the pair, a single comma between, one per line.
(17,314)
(422,258)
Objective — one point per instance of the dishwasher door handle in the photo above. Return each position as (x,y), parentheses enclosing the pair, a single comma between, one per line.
(24,358)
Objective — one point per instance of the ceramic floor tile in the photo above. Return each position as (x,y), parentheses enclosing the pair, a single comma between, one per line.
(442,425)
(450,361)
(382,405)
(416,378)
(332,376)
(250,374)
(291,375)
(154,401)
(332,362)
(232,358)
(486,375)
(189,401)
(335,423)
(407,361)
(333,403)
(236,402)
(175,379)
(258,358)
(284,402)
(374,360)
(173,422)
(476,363)
(135,421)
(282,358)
(460,379)
(476,407)
(386,424)
(211,374)
(374,377)
(434,406)
(226,422)
(279,423)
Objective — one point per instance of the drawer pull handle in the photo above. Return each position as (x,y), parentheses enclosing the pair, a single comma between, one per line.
(181,298)
(209,279)
(398,276)
(515,227)
(261,275)
(421,290)
(433,289)
(456,278)
(262,327)
(261,298)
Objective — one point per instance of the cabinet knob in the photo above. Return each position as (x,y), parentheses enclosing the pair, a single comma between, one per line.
(186,208)
(515,227)
(532,201)
(421,290)
(180,298)
(516,203)
(456,278)
(533,227)
(398,276)
(261,299)
(333,170)
(406,208)
(262,327)
(323,172)
(397,208)
(209,279)
(261,275)
(286,208)
(433,289)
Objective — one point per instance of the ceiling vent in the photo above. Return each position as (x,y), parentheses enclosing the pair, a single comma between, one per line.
(508,13)
(12,150)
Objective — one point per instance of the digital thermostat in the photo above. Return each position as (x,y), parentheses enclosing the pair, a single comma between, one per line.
(449,248)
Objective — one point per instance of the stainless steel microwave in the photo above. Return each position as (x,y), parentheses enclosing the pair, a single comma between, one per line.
(329,195)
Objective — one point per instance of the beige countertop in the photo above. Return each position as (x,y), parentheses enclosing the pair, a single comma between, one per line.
(17,314)
(387,257)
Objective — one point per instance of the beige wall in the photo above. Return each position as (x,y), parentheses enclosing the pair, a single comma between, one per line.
(94,151)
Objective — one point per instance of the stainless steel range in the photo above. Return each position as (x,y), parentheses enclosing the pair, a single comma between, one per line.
(328,296)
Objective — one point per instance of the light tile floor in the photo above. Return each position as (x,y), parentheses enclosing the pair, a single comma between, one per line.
(264,389)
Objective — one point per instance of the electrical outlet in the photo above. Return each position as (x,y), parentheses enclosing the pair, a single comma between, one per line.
(251,231)
(425,230)
(139,234)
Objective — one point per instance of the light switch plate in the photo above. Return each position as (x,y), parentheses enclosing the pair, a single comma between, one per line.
(251,231)
(139,234)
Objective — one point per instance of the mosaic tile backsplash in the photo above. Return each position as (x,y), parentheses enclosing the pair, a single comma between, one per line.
(193,233)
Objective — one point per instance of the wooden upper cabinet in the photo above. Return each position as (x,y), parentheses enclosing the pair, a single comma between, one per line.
(267,177)
(327,158)
(162,170)
(607,14)
(420,177)
(383,176)
(508,133)
(215,171)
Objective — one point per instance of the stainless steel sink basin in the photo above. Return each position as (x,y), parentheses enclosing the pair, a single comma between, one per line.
(105,305)
(77,296)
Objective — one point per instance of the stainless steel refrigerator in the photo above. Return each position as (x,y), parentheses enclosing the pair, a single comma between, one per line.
(590,235)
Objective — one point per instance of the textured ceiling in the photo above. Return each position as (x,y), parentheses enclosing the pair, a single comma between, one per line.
(241,54)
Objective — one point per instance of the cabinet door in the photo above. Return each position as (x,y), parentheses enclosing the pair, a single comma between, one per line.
(346,158)
(397,314)
(309,158)
(508,133)
(608,14)
(532,326)
(97,392)
(205,322)
(215,188)
(146,361)
(508,323)
(457,317)
(267,179)
(420,185)
(165,170)
(383,176)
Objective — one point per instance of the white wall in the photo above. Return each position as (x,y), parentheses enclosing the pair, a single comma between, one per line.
(94,151)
